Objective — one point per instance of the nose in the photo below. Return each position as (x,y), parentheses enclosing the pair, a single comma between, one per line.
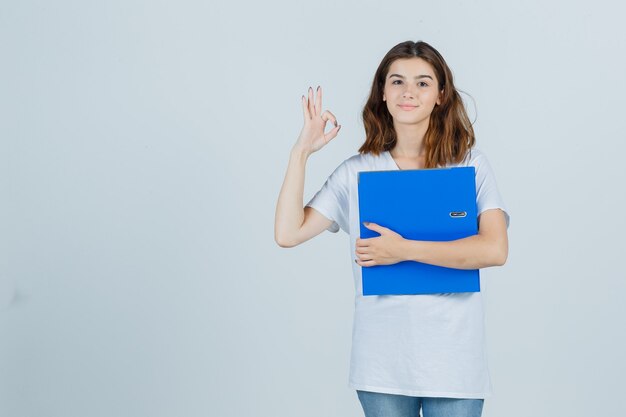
(409,91)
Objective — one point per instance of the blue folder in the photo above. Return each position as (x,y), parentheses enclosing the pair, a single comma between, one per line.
(437,204)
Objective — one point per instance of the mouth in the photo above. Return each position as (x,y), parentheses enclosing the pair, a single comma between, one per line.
(408,108)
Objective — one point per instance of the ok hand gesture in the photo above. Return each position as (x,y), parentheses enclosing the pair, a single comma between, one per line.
(312,137)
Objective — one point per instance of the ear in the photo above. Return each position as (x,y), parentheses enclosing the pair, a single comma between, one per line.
(384,97)
(439,98)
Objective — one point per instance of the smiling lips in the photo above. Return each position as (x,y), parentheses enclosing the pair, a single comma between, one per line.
(407,107)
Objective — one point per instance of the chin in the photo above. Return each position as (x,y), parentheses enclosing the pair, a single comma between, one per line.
(409,121)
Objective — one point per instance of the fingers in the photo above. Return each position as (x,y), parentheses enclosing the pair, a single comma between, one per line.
(305,109)
(327,115)
(308,109)
(318,105)
(363,255)
(368,262)
(312,107)
(311,103)
(362,243)
(331,134)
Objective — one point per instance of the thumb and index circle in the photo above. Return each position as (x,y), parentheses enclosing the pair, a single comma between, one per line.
(310,110)
(326,116)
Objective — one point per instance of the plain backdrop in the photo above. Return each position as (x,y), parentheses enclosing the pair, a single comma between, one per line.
(144,145)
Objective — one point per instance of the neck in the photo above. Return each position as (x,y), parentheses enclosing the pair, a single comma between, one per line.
(410,140)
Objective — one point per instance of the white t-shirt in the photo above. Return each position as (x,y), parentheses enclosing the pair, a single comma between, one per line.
(425,345)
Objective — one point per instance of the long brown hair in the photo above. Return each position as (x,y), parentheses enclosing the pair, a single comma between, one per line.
(449,135)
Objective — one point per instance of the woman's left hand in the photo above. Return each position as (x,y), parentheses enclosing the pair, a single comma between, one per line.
(385,249)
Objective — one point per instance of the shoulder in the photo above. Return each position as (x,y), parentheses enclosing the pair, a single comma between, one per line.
(341,175)
(351,164)
(358,159)
(475,157)
(362,162)
(347,171)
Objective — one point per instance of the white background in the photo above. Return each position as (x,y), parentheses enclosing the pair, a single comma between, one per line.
(144,145)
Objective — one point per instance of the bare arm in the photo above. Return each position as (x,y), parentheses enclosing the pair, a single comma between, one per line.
(294,224)
(488,248)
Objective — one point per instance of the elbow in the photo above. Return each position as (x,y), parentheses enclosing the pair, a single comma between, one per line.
(502,257)
(282,242)
(279,238)
(495,255)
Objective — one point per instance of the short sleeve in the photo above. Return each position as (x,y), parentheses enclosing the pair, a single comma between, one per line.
(487,194)
(332,200)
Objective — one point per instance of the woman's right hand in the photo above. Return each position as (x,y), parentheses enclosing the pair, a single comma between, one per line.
(312,137)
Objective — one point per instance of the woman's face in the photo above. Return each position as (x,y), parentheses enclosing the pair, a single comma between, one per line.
(411,90)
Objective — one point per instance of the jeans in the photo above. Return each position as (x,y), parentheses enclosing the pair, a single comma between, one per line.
(376,404)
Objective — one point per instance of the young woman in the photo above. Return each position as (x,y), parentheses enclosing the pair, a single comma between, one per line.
(409,352)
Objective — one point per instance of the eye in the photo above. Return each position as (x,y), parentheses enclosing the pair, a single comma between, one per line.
(421,83)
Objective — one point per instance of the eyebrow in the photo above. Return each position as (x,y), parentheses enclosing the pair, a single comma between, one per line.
(416,77)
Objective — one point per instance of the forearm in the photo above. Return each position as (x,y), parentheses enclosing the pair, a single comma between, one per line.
(473,252)
(289,210)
